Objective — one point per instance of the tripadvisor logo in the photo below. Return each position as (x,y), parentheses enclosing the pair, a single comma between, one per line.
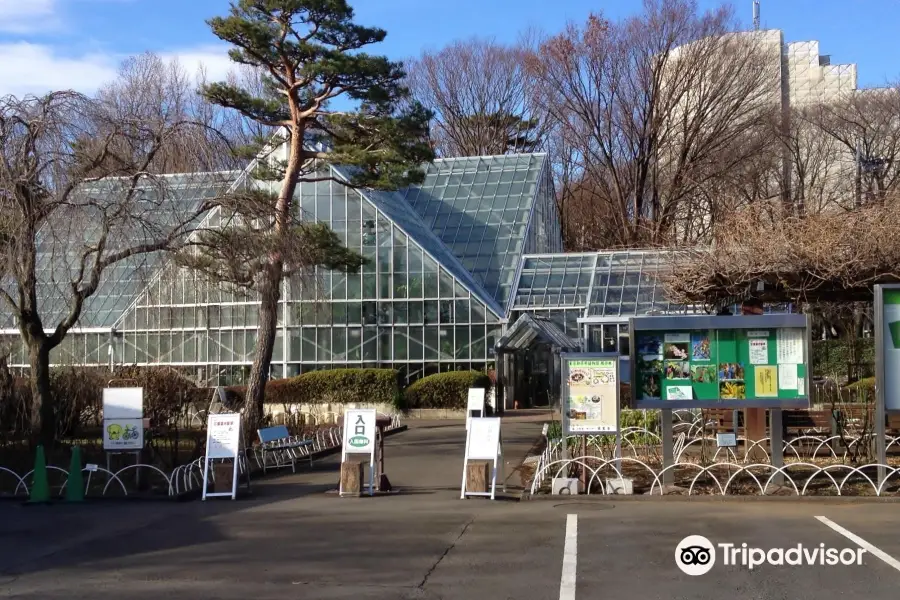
(696,555)
(359,441)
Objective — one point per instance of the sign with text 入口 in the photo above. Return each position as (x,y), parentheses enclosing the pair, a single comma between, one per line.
(360,437)
(359,431)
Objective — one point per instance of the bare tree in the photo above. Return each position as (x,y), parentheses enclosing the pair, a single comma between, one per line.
(662,109)
(481,96)
(866,125)
(815,176)
(78,197)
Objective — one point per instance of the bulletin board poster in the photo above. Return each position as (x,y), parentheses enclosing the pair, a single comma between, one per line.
(746,364)
(590,394)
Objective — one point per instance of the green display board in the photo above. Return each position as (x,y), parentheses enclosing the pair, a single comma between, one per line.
(735,366)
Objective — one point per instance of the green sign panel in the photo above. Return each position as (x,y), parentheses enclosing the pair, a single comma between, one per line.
(764,366)
(889,347)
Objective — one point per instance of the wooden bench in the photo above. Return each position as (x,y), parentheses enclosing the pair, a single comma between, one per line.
(893,425)
(797,423)
(284,449)
(721,420)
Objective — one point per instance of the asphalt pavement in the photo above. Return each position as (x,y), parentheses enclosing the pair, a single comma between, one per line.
(292,538)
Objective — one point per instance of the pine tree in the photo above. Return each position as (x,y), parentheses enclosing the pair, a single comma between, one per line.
(310,54)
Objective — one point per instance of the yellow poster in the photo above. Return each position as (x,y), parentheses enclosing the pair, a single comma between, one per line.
(766,382)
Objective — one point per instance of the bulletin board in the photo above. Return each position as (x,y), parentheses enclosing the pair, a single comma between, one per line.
(759,361)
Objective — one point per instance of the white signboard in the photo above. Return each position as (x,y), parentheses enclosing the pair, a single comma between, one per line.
(223,440)
(123,424)
(726,440)
(359,438)
(223,436)
(359,431)
(123,435)
(484,438)
(123,403)
(483,442)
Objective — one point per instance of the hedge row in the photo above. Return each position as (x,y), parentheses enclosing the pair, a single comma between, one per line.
(448,390)
(337,386)
(169,395)
(77,395)
(832,358)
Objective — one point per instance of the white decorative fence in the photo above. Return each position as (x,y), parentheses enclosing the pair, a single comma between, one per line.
(809,462)
(185,478)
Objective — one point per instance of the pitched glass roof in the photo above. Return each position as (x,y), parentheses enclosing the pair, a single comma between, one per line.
(605,284)
(164,202)
(530,327)
(627,283)
(397,210)
(555,281)
(480,208)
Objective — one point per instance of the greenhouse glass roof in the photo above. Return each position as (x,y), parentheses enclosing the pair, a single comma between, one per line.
(165,201)
(397,210)
(604,284)
(555,281)
(480,208)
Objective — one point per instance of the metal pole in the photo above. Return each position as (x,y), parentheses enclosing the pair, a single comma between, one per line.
(667,445)
(619,452)
(880,441)
(777,443)
(880,400)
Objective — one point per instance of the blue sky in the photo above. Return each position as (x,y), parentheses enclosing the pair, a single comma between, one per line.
(55,44)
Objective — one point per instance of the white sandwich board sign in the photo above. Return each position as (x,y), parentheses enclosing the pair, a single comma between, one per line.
(360,435)
(123,419)
(483,442)
(223,440)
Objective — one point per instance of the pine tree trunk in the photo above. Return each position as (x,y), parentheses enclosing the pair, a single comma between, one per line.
(43,415)
(270,294)
(270,289)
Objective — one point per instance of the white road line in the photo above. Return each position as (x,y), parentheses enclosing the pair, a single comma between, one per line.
(570,560)
(884,556)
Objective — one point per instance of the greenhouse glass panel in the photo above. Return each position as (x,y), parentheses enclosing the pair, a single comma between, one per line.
(505,179)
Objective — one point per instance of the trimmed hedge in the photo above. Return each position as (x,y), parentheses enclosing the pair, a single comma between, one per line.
(336,386)
(448,390)
(832,358)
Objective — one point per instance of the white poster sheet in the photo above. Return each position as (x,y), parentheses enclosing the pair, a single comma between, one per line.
(787,377)
(759,351)
(790,346)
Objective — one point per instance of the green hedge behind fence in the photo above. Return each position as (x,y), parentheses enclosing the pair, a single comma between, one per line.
(337,386)
(836,358)
(448,390)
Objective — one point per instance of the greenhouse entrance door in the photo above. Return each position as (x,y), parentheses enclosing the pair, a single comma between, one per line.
(528,362)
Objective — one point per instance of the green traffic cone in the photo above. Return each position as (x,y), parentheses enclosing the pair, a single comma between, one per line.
(75,484)
(40,485)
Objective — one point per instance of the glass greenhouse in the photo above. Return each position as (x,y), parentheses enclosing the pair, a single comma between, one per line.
(453,264)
